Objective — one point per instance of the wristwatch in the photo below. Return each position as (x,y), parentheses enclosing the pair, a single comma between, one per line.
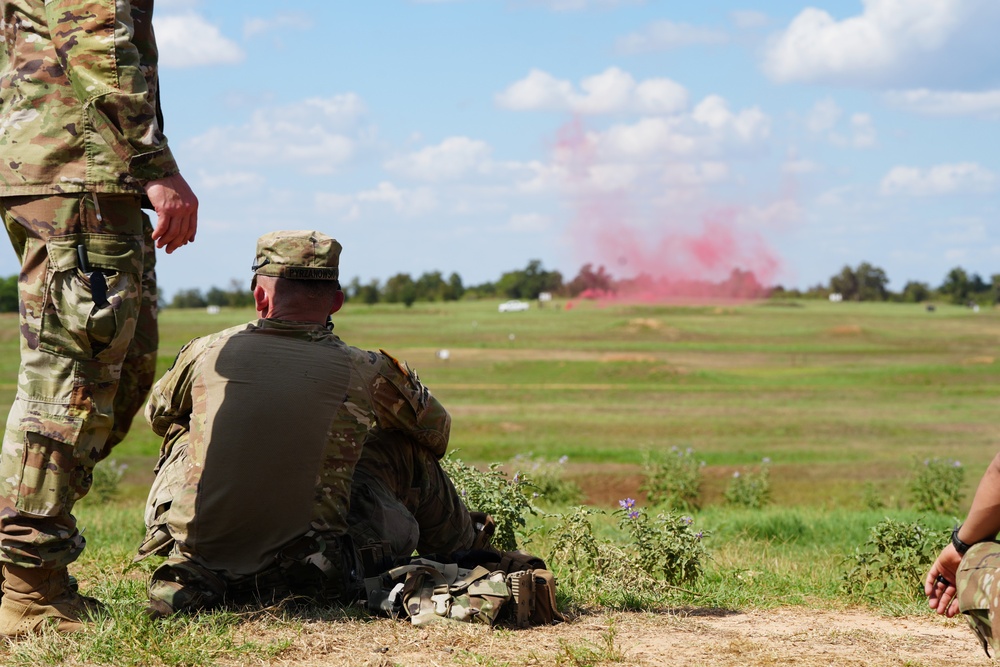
(960,546)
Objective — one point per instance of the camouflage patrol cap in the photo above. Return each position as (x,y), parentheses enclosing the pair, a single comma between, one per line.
(300,255)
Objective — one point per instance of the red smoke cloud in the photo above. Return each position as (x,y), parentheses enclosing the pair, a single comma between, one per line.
(716,258)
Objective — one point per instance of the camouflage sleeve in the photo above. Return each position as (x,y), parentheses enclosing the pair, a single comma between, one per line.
(403,403)
(170,399)
(109,75)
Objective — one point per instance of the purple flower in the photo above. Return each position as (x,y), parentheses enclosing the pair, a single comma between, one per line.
(634,514)
(687,520)
(563,459)
(700,534)
(627,504)
(517,477)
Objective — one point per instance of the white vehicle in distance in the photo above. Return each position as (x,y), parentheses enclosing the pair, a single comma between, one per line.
(512,306)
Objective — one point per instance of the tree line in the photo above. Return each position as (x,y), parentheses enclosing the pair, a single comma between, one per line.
(865,282)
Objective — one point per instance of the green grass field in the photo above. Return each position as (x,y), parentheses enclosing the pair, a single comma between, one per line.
(836,395)
(843,398)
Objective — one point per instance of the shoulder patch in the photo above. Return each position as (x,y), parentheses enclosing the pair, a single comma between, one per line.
(401,365)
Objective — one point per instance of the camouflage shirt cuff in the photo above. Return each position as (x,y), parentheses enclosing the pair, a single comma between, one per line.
(153,165)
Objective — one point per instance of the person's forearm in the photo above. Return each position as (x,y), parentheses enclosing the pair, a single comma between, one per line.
(983,520)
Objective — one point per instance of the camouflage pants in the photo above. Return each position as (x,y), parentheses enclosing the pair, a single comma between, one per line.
(401,500)
(978,584)
(88,352)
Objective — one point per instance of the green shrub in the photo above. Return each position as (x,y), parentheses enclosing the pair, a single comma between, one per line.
(548,479)
(107,476)
(666,547)
(673,479)
(936,486)
(506,500)
(893,561)
(750,488)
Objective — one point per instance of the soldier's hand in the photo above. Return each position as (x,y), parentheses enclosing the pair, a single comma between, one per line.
(940,583)
(176,209)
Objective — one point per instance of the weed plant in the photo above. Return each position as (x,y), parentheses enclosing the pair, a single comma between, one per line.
(750,488)
(893,561)
(936,485)
(107,477)
(548,479)
(508,500)
(672,479)
(666,547)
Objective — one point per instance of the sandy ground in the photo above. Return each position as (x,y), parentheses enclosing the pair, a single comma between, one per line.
(787,636)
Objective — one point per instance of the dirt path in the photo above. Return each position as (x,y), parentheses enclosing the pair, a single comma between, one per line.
(788,636)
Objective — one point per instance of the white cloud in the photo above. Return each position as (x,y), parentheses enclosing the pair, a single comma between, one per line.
(947,103)
(452,159)
(310,136)
(188,40)
(710,129)
(863,133)
(229,180)
(611,91)
(528,222)
(824,116)
(944,179)
(746,19)
(408,202)
(695,173)
(278,24)
(800,166)
(776,215)
(891,41)
(575,5)
(824,119)
(667,35)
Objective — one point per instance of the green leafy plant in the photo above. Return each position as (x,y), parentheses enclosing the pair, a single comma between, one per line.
(549,479)
(750,488)
(507,500)
(107,477)
(573,543)
(893,560)
(936,485)
(673,479)
(667,547)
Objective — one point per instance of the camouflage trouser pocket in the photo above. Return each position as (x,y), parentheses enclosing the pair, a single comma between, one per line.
(41,471)
(91,310)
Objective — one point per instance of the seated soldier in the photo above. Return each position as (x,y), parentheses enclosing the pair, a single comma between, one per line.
(266,425)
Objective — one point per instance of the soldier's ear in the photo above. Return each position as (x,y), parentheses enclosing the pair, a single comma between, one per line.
(338,302)
(260,299)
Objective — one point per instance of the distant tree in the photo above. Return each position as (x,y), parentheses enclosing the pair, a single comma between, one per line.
(400,289)
(865,283)
(956,285)
(430,287)
(188,298)
(588,280)
(872,283)
(845,283)
(369,294)
(217,297)
(455,289)
(530,282)
(915,292)
(995,288)
(8,295)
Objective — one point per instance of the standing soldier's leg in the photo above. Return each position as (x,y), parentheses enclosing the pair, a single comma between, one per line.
(81,266)
(139,368)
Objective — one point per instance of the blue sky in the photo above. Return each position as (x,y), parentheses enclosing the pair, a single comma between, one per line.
(475,135)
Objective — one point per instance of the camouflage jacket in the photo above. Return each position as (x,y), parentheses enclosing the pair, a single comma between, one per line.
(274,416)
(79,106)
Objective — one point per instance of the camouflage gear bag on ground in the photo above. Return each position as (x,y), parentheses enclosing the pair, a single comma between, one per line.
(517,588)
